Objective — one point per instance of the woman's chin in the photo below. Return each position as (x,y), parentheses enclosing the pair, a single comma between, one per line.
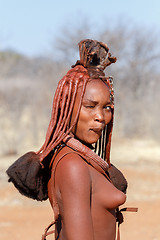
(91,140)
(94,138)
(88,139)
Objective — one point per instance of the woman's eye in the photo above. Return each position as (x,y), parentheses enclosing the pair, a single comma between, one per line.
(89,106)
(108,108)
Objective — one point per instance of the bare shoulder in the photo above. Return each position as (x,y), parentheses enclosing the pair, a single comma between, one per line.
(72,169)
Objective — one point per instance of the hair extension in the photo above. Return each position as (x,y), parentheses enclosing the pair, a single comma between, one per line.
(91,65)
(103,142)
(63,104)
(27,173)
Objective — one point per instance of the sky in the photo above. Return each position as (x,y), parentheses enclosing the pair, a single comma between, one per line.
(30,26)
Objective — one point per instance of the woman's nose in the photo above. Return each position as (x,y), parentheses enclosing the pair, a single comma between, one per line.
(99,116)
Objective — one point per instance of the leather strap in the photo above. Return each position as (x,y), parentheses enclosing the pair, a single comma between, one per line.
(120,217)
(46,233)
(55,160)
(54,167)
(54,203)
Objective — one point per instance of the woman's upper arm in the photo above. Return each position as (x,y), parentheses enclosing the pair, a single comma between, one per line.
(74,184)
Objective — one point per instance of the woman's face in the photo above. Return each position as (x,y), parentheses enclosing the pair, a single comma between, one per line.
(95,112)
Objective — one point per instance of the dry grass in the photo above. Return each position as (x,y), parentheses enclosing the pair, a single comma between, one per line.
(22,218)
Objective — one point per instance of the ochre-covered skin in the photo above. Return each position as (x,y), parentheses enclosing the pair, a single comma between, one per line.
(86,199)
(94,58)
(83,198)
(82,195)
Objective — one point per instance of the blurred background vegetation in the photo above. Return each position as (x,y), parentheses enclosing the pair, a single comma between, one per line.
(27,84)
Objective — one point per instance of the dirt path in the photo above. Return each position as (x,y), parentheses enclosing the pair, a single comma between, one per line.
(25,223)
(22,218)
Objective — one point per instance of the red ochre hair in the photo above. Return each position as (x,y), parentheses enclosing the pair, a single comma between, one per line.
(91,65)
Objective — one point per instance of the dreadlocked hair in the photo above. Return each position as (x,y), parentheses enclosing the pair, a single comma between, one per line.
(31,172)
(93,61)
(103,145)
(63,104)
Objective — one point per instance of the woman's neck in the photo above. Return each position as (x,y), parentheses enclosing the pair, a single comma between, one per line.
(86,144)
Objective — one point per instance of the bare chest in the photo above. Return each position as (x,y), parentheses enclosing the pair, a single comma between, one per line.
(104,194)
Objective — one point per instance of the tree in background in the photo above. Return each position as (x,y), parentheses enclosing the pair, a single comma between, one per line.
(136,74)
(27,85)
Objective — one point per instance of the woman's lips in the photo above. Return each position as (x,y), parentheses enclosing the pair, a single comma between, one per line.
(97,130)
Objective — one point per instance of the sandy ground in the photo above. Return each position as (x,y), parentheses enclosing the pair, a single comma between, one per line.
(22,218)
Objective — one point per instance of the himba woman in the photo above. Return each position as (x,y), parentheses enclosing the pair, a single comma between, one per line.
(84,188)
